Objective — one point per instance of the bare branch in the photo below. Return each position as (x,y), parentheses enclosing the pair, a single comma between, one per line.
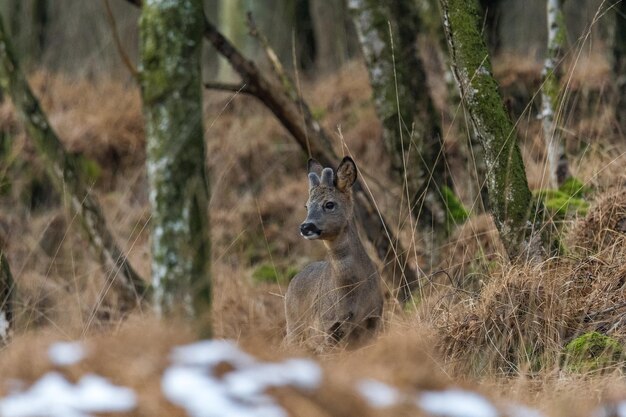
(234,88)
(118,43)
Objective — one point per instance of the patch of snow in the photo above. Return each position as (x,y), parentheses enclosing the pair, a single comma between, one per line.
(66,353)
(203,395)
(611,410)
(378,394)
(300,373)
(210,353)
(456,403)
(516,410)
(190,383)
(53,396)
(5,326)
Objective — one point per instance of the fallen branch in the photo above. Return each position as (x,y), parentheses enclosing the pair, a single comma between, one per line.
(64,172)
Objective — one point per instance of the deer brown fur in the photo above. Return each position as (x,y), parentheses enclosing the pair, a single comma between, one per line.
(338,300)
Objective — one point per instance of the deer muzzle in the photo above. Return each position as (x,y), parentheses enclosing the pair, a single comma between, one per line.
(310,231)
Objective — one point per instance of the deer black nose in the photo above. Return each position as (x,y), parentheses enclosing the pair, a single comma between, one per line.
(309,229)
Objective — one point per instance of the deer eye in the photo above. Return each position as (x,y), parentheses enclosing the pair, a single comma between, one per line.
(329,205)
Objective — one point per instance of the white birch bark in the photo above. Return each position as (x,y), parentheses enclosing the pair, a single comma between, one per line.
(556,159)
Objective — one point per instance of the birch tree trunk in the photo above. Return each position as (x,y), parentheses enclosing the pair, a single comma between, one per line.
(171,86)
(7,294)
(516,214)
(65,173)
(619,64)
(557,161)
(411,130)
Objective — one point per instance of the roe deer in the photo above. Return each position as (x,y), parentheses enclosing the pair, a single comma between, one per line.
(339,299)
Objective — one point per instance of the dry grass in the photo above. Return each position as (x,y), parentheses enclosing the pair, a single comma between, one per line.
(488,322)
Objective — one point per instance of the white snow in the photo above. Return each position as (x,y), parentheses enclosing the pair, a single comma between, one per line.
(5,326)
(53,396)
(378,394)
(456,403)
(202,395)
(299,373)
(66,353)
(210,353)
(611,410)
(190,383)
(516,410)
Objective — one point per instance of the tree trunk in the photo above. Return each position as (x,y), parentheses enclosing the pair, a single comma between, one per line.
(550,104)
(330,34)
(7,296)
(171,86)
(65,173)
(411,131)
(516,214)
(619,64)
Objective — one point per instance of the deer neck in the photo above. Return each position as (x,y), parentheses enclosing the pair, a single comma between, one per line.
(346,254)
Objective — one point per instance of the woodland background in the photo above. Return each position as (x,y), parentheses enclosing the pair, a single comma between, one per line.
(546,334)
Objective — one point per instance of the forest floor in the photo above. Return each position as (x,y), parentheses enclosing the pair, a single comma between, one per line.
(487,338)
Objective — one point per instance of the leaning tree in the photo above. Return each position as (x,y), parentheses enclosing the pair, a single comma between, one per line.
(517,214)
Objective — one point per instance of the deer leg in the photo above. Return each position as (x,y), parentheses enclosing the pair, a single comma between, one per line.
(338,330)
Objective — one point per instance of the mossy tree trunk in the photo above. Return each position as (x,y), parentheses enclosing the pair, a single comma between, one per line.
(517,216)
(171,86)
(7,295)
(619,64)
(558,169)
(64,171)
(411,130)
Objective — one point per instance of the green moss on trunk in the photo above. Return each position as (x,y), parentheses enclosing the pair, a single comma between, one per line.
(515,212)
(171,87)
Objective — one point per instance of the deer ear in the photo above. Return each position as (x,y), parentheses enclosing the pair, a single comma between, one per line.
(315,167)
(346,174)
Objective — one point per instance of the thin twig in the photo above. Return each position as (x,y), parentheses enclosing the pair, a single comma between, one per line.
(607,310)
(233,88)
(271,56)
(118,42)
